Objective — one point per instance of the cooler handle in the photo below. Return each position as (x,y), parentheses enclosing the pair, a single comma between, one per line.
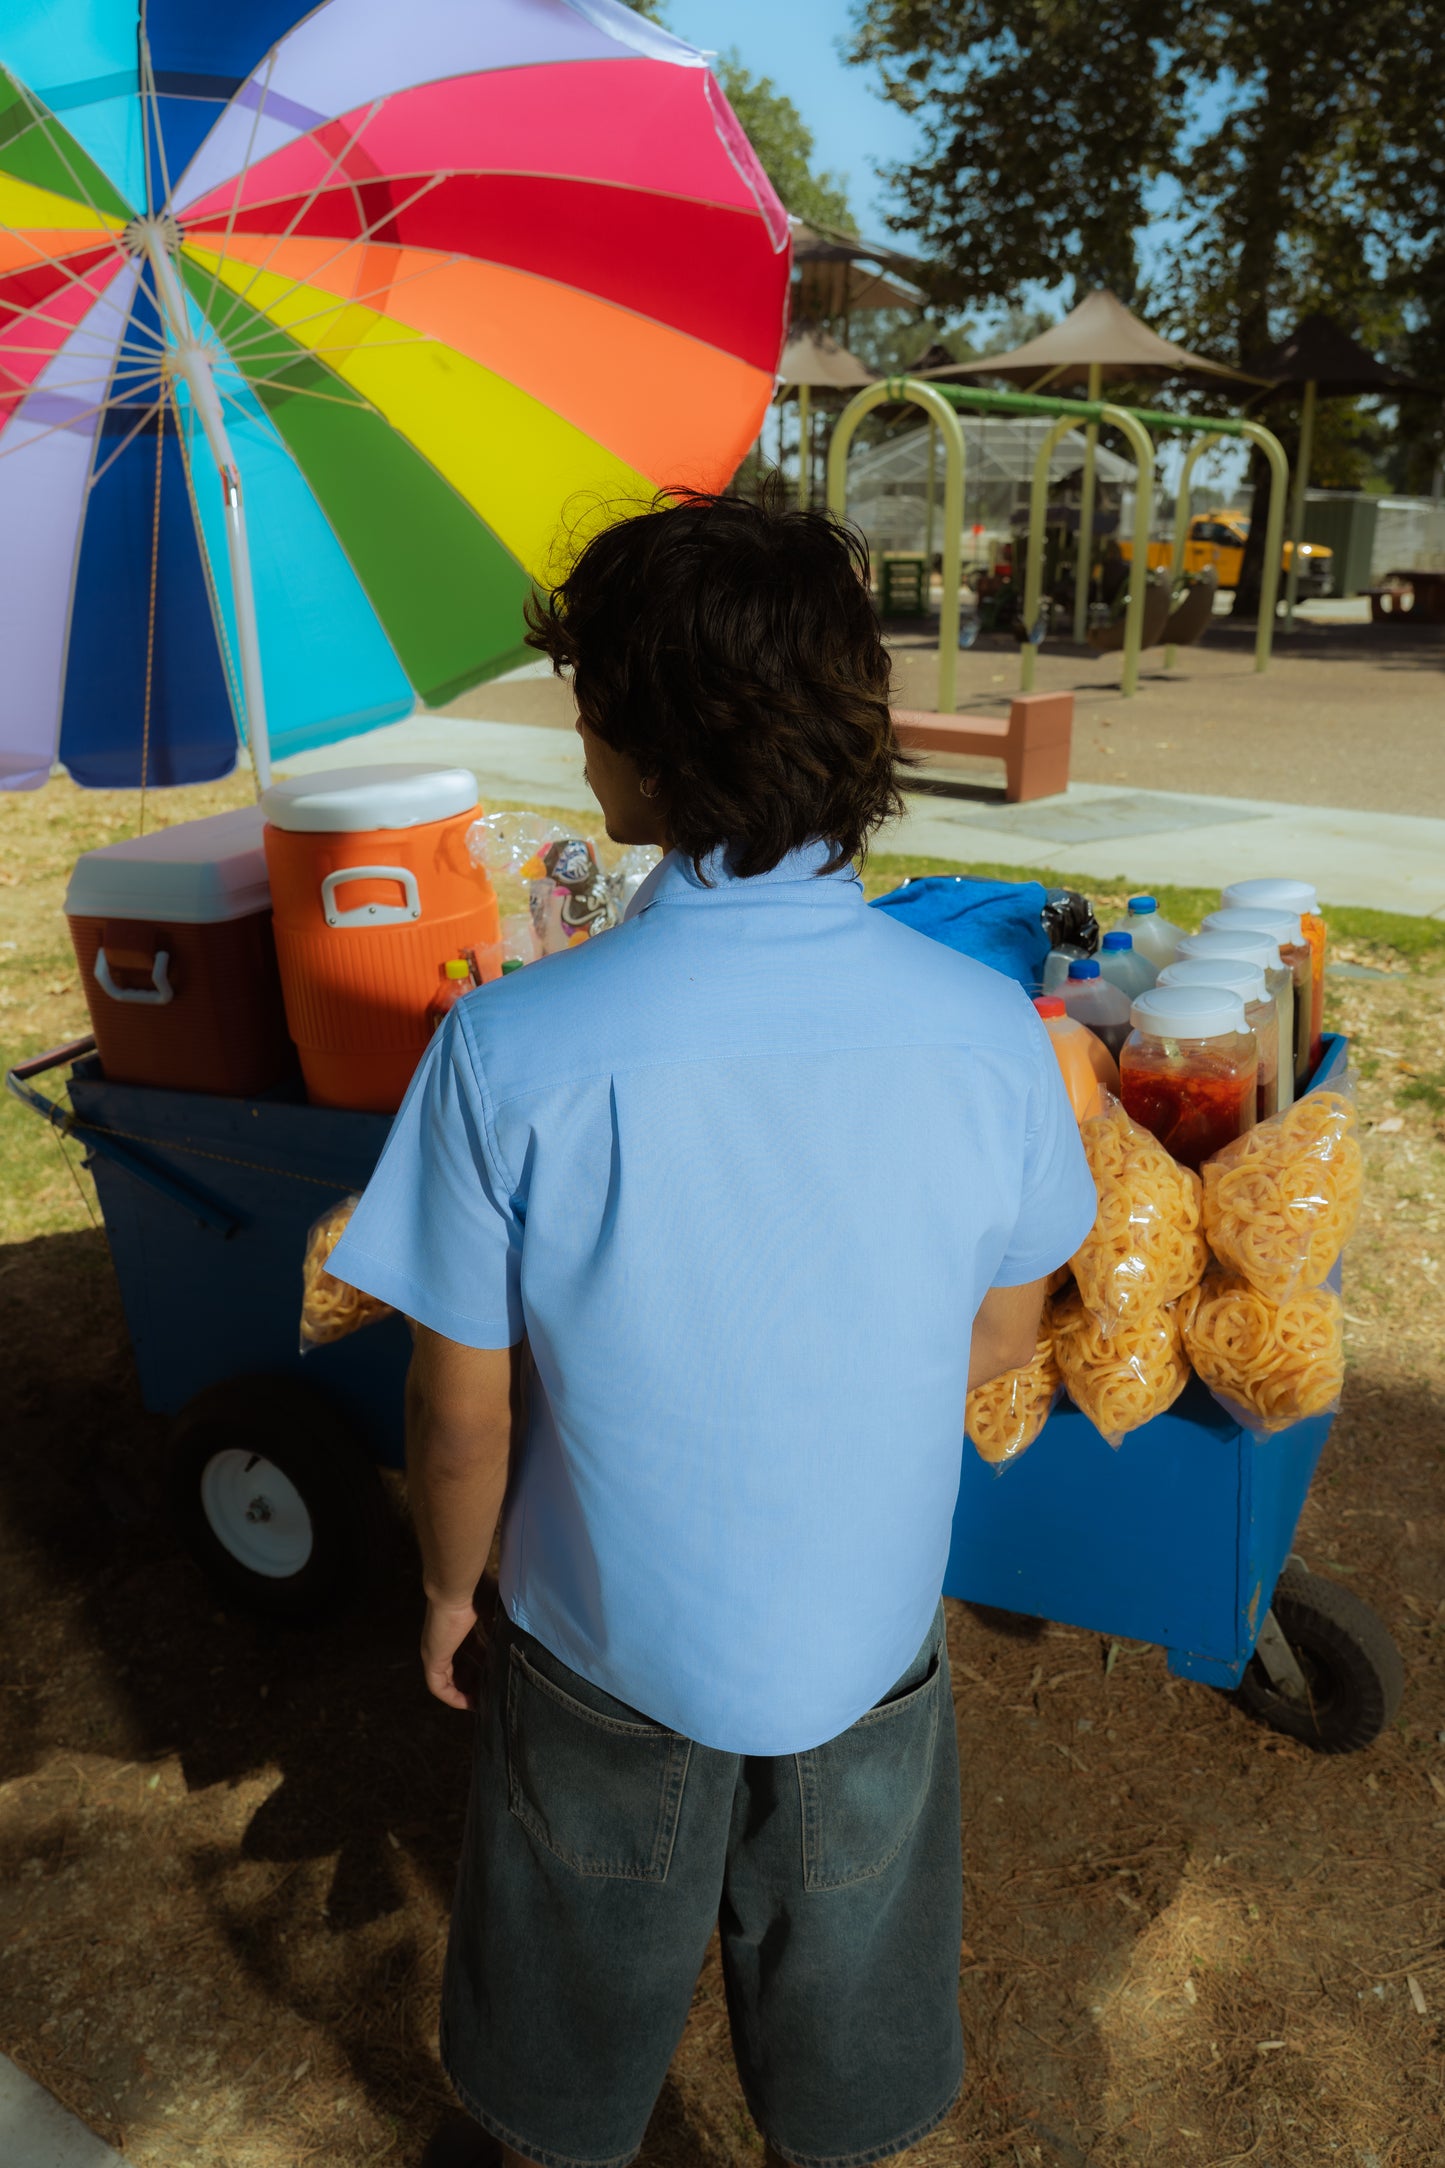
(154,996)
(371,914)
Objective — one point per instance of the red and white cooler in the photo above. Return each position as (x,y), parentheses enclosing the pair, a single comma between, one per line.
(172,932)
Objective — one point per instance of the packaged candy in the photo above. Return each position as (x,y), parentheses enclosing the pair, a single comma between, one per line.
(1268,1364)
(1122,1379)
(1145,1247)
(570,898)
(329,1308)
(1004,1417)
(1281,1202)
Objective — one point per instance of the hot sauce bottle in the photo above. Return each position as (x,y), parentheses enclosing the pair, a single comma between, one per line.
(1189,1071)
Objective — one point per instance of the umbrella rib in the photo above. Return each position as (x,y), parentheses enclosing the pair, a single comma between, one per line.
(148,76)
(303,391)
(346,301)
(307,201)
(58,263)
(245,168)
(41,118)
(130,436)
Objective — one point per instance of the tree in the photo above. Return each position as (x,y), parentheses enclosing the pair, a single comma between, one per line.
(1301,147)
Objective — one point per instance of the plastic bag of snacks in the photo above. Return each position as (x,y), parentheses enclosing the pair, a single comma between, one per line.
(1004,1417)
(1122,1379)
(1282,1201)
(1268,1364)
(570,897)
(1145,1247)
(329,1308)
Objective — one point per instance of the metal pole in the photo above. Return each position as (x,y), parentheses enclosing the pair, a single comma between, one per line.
(1034,563)
(193,362)
(1142,445)
(805,416)
(1084,562)
(1297,514)
(929,503)
(1273,451)
(1181,521)
(939,410)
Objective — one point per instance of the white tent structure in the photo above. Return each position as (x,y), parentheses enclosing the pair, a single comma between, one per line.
(888,484)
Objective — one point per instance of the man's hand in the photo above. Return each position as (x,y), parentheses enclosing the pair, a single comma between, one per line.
(446,1636)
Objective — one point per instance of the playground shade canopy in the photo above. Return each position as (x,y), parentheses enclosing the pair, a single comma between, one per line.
(1100,335)
(838,275)
(1321,352)
(813,358)
(455,269)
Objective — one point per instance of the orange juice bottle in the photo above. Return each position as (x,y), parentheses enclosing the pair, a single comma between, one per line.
(1089,1069)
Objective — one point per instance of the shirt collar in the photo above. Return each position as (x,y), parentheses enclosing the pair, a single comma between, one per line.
(676,879)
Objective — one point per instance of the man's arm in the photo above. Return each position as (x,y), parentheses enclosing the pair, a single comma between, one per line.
(464,1407)
(1006,1331)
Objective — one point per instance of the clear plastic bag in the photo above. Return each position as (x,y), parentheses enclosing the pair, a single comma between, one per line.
(1145,1247)
(1267,1364)
(1004,1417)
(330,1310)
(1123,1379)
(1282,1201)
(569,893)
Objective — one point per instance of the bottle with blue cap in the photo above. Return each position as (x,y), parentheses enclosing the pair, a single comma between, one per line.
(1095,1002)
(1124,965)
(1156,937)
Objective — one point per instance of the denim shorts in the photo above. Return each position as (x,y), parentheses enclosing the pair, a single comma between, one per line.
(601,1850)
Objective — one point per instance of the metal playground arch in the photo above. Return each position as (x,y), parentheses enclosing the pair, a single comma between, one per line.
(940,403)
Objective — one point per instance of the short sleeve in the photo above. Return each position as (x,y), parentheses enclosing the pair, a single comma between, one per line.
(1058,1198)
(437,1234)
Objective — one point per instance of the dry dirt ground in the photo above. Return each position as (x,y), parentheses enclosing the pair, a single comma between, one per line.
(226,1849)
(1346,715)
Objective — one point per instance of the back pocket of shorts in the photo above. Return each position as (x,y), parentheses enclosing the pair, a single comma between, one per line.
(863,1791)
(601,1792)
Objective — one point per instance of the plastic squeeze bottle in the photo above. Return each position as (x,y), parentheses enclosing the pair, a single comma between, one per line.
(1126,966)
(1156,937)
(1089,1069)
(1303,897)
(456,981)
(1092,1001)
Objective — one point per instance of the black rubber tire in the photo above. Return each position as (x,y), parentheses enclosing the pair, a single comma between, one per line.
(300,1431)
(1346,1652)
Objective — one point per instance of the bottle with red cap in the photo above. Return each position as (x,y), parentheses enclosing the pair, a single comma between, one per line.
(1089,1069)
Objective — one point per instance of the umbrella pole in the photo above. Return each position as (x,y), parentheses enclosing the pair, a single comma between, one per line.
(1084,561)
(805,448)
(1297,514)
(192,363)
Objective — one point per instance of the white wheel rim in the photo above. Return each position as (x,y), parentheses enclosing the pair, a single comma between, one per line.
(257,1514)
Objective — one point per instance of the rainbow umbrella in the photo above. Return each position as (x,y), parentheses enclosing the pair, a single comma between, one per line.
(316,325)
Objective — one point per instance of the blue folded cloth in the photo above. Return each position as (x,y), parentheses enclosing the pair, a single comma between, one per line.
(999,923)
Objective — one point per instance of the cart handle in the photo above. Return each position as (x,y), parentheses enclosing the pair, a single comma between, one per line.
(96,1139)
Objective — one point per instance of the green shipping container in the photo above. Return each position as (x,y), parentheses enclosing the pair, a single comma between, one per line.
(1344,520)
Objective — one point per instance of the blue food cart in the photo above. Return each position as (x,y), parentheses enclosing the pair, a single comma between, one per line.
(1182,1537)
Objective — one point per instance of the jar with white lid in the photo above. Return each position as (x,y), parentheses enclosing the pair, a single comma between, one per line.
(1301,896)
(1295,949)
(1189,1072)
(1246,978)
(1264,950)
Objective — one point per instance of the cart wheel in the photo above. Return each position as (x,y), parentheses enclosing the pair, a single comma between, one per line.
(277,1501)
(1352,1671)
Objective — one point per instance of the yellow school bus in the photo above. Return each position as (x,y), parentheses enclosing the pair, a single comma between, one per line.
(1218,539)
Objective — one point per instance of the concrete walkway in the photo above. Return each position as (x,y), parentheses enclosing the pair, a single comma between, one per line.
(36,2132)
(1386,861)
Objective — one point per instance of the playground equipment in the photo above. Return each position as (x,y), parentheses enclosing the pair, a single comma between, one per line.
(940,402)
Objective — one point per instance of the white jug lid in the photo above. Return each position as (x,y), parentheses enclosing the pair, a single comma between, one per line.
(1188,1012)
(352,801)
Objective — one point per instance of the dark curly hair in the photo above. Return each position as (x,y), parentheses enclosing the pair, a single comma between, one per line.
(731,650)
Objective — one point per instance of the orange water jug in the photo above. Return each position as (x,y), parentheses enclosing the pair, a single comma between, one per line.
(1089,1069)
(374,892)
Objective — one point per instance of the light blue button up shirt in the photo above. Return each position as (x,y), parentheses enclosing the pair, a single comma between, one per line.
(742,1172)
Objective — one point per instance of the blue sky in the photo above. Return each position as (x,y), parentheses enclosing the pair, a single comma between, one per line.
(796,43)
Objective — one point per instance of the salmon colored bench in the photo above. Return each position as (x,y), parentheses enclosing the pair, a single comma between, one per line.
(1032,742)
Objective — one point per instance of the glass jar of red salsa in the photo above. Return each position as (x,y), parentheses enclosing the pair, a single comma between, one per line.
(1189,1071)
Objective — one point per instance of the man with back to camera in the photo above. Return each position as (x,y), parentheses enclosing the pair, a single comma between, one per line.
(706,1228)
